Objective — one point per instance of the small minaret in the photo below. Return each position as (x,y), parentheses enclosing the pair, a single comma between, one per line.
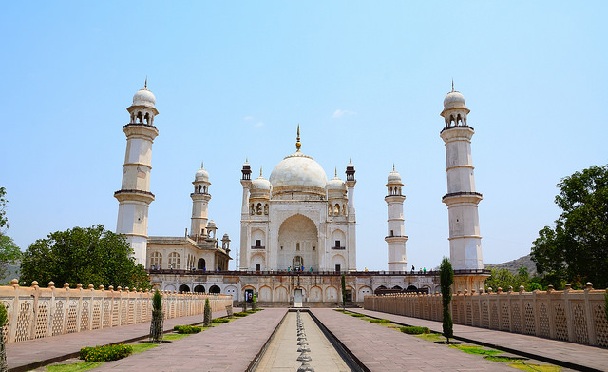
(245,217)
(461,198)
(134,197)
(352,221)
(396,238)
(200,204)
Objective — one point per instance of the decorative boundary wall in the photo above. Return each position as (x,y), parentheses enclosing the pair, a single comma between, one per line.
(568,315)
(35,312)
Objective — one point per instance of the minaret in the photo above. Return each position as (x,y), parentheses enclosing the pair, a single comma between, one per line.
(352,221)
(245,217)
(200,204)
(134,197)
(461,198)
(396,238)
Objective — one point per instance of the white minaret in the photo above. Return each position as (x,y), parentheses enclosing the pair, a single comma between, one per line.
(396,238)
(461,197)
(200,204)
(246,183)
(352,236)
(134,197)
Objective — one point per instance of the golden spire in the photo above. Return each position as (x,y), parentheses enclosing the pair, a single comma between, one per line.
(298,144)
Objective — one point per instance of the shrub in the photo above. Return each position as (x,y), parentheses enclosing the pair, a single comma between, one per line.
(187,329)
(241,314)
(357,315)
(414,330)
(207,315)
(221,320)
(105,353)
(379,321)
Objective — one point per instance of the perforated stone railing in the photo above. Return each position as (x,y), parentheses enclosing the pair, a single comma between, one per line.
(569,315)
(36,312)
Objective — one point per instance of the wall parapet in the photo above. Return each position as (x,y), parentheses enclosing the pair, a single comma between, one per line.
(35,312)
(569,315)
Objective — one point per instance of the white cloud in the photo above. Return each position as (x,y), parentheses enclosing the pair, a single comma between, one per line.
(338,113)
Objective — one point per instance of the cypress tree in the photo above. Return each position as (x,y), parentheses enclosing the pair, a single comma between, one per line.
(156,327)
(446,274)
(207,314)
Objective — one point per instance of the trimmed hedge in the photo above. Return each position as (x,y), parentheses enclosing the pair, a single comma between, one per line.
(105,353)
(221,320)
(414,330)
(379,321)
(357,315)
(187,329)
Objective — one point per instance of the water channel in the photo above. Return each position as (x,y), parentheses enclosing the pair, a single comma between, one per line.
(298,344)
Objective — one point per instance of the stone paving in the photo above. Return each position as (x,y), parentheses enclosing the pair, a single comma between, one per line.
(570,355)
(234,346)
(384,349)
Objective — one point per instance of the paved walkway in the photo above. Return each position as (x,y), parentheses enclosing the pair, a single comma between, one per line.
(229,347)
(234,346)
(384,349)
(566,354)
(27,355)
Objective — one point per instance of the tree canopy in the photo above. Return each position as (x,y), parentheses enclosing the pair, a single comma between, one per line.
(9,251)
(91,255)
(576,250)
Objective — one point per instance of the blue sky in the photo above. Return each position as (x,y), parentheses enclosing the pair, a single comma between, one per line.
(365,81)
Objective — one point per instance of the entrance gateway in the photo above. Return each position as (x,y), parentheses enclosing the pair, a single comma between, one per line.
(297,298)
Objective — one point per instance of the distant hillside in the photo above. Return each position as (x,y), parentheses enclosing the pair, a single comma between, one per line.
(12,272)
(513,266)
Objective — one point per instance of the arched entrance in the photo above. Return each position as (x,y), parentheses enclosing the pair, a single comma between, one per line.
(298,240)
(199,289)
(214,289)
(184,288)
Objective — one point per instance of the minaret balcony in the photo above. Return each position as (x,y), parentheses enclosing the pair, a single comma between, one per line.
(462,197)
(134,195)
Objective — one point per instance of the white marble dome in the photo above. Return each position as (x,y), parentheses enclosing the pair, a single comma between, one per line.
(298,171)
(454,99)
(336,184)
(260,183)
(201,175)
(144,97)
(394,176)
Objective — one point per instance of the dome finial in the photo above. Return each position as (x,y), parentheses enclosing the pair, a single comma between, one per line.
(260,171)
(335,172)
(202,166)
(298,144)
(452,84)
(393,167)
(146,82)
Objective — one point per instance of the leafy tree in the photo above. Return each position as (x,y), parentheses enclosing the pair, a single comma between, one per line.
(446,276)
(576,250)
(91,255)
(207,316)
(9,251)
(156,326)
(3,321)
(3,203)
(502,277)
(343,285)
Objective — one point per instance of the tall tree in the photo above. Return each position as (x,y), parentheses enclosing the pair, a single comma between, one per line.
(91,255)
(446,278)
(576,250)
(9,251)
